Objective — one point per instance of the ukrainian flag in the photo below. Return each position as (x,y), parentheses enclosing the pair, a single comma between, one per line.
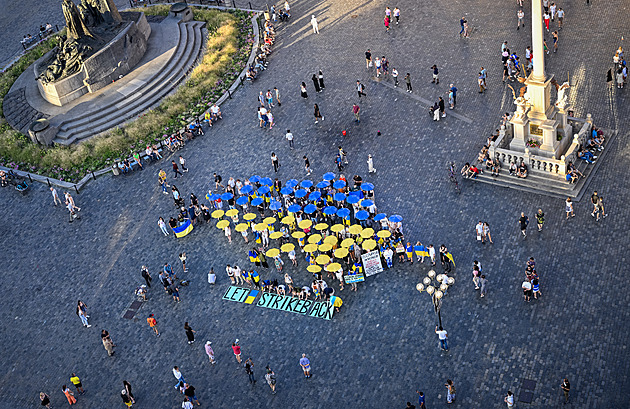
(183,229)
(251,297)
(450,257)
(421,251)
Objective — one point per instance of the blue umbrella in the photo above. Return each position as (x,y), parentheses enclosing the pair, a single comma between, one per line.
(323,184)
(275,205)
(367,187)
(366,203)
(328,176)
(340,197)
(286,190)
(306,183)
(257,201)
(379,217)
(362,215)
(254,179)
(243,200)
(294,208)
(343,212)
(395,218)
(339,184)
(266,181)
(263,190)
(314,196)
(310,208)
(227,196)
(247,189)
(352,199)
(300,193)
(214,197)
(330,210)
(291,183)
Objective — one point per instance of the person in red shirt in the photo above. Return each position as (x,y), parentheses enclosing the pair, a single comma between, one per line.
(237,351)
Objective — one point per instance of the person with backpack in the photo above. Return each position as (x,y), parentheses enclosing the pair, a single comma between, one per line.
(360,89)
(270,377)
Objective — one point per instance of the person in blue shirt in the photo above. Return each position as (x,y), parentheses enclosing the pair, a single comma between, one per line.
(454,90)
(421,400)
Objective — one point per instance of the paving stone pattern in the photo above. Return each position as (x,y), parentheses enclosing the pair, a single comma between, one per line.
(381,347)
(17,111)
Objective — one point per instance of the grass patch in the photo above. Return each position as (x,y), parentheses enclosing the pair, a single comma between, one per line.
(228,45)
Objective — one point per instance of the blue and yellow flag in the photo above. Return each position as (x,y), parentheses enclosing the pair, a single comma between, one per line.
(251,296)
(421,251)
(450,257)
(183,229)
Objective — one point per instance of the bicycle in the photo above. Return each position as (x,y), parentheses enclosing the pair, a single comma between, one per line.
(453,177)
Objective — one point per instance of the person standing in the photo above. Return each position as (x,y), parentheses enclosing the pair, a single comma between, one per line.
(236,348)
(303,92)
(127,389)
(176,169)
(153,324)
(210,352)
(450,393)
(355,111)
(421,404)
(275,162)
(566,387)
(317,114)
(600,208)
(397,14)
(187,404)
(370,164)
(77,383)
(520,15)
(190,333)
(249,369)
(436,78)
(147,277)
(277,92)
(126,398)
(442,106)
(360,89)
(568,207)
(315,83)
(546,20)
(314,24)
(480,83)
(45,400)
(368,59)
(408,82)
(395,76)
(66,391)
(560,18)
(523,221)
(320,77)
(540,219)
(509,399)
(307,165)
(270,377)
(55,196)
(555,41)
(289,137)
(461,24)
(306,366)
(442,336)
(386,23)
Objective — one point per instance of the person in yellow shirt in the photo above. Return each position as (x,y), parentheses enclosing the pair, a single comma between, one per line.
(77,383)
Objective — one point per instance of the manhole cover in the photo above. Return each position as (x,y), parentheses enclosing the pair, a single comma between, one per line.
(354,16)
(528,384)
(526,397)
(129,314)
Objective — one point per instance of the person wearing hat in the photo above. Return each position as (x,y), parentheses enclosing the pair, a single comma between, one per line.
(210,352)
(125,398)
(237,350)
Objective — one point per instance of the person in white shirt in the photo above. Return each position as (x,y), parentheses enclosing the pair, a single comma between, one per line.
(521,15)
(479,231)
(314,24)
(509,399)
(370,164)
(289,137)
(187,404)
(431,253)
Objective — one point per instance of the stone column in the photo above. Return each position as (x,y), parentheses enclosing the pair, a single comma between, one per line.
(537,41)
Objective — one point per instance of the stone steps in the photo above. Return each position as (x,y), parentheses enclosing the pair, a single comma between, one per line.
(118,111)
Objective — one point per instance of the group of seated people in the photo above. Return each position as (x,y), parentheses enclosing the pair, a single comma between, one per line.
(212,115)
(518,170)
(43,32)
(470,171)
(594,144)
(260,61)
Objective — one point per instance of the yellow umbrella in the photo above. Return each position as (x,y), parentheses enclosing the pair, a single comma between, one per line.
(249,216)
(231,212)
(272,252)
(309,248)
(298,234)
(341,252)
(269,220)
(325,247)
(322,259)
(314,268)
(367,233)
(369,245)
(355,229)
(288,220)
(260,227)
(315,238)
(331,240)
(321,226)
(275,235)
(241,227)
(347,242)
(332,267)
(222,224)
(287,247)
(337,228)
(384,233)
(305,224)
(217,214)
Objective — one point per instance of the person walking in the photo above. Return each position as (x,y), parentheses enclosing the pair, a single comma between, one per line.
(370,164)
(45,400)
(320,77)
(397,15)
(462,21)
(386,23)
(77,383)
(442,336)
(317,114)
(442,107)
(560,18)
(305,363)
(421,404)
(314,24)
(127,389)
(126,398)
(180,378)
(566,387)
(303,92)
(540,219)
(66,391)
(436,78)
(176,169)
(189,392)
(480,82)
(147,277)
(520,15)
(236,348)
(190,333)
(182,163)
(289,137)
(600,208)
(450,393)
(270,377)
(555,41)
(360,89)
(307,165)
(546,20)
(408,82)
(355,111)
(509,399)
(484,285)
(568,207)
(523,221)
(315,83)
(55,196)
(249,369)
(153,324)
(368,59)
(162,181)
(275,162)
(277,92)
(210,352)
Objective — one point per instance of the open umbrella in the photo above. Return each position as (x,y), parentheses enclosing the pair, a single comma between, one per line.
(340,197)
(263,190)
(291,183)
(217,214)
(341,252)
(315,195)
(367,233)
(384,233)
(231,212)
(330,210)
(362,215)
(331,240)
(337,228)
(339,184)
(269,220)
(366,187)
(288,220)
(322,184)
(286,190)
(328,176)
(275,205)
(324,247)
(249,216)
(310,208)
(366,203)
(395,218)
(300,193)
(241,227)
(343,212)
(315,238)
(247,189)
(322,259)
(379,217)
(311,247)
(355,229)
(321,226)
(254,179)
(266,181)
(214,197)
(347,242)
(305,224)
(257,201)
(332,267)
(222,224)
(369,244)
(306,183)
(294,208)
(260,227)
(313,268)
(287,247)
(352,199)
(272,252)
(298,234)
(227,196)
